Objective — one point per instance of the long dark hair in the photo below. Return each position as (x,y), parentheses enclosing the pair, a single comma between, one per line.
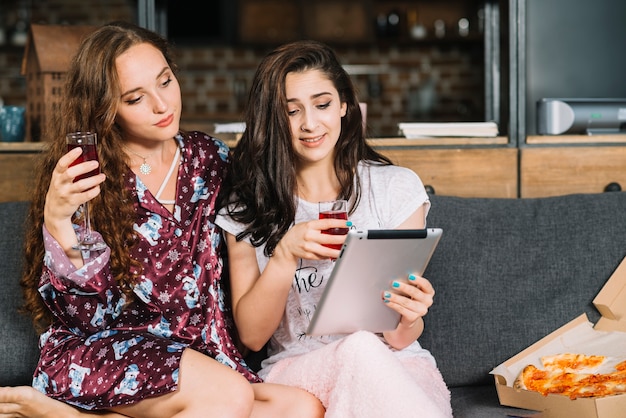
(89,102)
(260,186)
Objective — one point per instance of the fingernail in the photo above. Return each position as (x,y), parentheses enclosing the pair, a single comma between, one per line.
(387,295)
(395,284)
(348,223)
(412,277)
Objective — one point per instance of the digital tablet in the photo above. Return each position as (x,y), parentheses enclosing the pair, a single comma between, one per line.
(369,261)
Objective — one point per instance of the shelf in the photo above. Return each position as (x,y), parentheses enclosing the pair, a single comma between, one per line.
(231,141)
(354,22)
(575,139)
(10,147)
(405,142)
(400,142)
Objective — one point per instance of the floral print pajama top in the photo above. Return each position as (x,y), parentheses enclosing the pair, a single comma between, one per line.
(102,352)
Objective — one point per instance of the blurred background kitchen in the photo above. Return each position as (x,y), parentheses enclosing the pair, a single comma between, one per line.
(411,60)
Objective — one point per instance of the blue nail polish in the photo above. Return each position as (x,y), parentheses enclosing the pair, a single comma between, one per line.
(387,295)
(349,223)
(395,284)
(412,277)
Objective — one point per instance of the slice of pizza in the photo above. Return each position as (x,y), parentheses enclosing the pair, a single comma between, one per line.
(571,362)
(598,385)
(573,375)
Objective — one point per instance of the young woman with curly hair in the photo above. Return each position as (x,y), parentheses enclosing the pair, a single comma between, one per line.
(141,328)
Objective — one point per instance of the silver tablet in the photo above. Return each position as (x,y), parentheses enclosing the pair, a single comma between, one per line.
(369,261)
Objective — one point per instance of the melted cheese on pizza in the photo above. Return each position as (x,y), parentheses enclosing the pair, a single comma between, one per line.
(572,362)
(572,375)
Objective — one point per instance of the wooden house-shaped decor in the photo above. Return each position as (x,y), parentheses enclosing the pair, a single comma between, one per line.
(47,56)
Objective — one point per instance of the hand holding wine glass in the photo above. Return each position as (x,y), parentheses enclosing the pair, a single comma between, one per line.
(87,141)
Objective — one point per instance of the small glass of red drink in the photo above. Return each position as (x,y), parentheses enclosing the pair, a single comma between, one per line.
(335,209)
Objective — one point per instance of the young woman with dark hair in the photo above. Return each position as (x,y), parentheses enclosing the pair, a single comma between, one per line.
(304,143)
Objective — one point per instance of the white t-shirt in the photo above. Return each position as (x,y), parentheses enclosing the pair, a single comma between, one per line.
(389,195)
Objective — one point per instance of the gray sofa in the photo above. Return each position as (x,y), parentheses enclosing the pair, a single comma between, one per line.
(507,272)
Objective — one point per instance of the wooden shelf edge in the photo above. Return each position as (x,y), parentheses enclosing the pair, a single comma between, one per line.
(231,141)
(393,142)
(576,139)
(22,146)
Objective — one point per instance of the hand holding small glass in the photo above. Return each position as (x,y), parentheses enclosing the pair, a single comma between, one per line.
(87,141)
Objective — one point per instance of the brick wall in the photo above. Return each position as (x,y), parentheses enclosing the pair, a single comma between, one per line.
(398,83)
(407,82)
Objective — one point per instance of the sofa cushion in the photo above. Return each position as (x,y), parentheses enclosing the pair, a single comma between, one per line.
(507,272)
(18,341)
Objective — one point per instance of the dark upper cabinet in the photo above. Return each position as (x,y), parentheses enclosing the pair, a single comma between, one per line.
(354,22)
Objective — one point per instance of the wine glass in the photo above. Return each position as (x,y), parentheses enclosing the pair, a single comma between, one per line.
(87,241)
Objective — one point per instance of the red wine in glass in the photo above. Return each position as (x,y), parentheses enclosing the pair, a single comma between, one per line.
(334,231)
(87,241)
(89,153)
(334,209)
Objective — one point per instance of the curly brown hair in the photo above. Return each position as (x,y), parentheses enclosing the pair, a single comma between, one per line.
(89,102)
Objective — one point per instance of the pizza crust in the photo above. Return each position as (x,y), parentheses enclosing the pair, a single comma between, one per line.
(519,381)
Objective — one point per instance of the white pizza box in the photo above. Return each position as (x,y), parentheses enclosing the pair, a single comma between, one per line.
(607,337)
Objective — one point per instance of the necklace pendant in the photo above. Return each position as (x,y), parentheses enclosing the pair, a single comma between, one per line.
(145,168)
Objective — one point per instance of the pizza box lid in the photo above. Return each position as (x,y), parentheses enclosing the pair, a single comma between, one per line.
(607,337)
(611,301)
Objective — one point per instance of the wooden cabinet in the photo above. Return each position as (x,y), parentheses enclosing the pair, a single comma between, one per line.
(358,21)
(454,167)
(268,21)
(332,21)
(551,171)
(489,171)
(566,164)
(280,21)
(467,167)
(465,172)
(17,162)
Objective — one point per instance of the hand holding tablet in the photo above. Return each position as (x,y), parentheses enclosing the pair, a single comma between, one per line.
(369,261)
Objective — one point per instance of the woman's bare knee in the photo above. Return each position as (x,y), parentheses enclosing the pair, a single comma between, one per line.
(310,406)
(206,388)
(280,401)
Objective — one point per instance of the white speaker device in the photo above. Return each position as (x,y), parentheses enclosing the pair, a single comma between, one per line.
(581,116)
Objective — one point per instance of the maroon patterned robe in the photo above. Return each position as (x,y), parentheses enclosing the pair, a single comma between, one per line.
(100,352)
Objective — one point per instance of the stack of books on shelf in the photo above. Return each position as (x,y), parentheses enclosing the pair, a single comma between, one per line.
(447,129)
